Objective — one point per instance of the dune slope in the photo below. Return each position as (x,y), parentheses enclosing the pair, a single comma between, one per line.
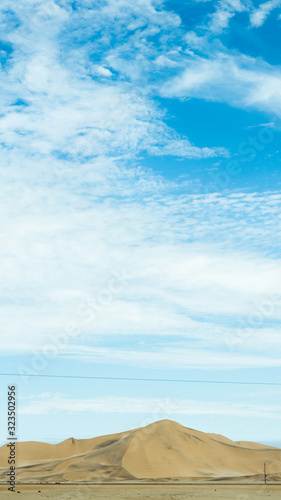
(164,450)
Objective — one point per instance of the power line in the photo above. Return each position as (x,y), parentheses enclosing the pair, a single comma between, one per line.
(132,379)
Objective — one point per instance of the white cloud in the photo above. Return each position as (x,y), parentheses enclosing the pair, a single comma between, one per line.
(225,10)
(158,408)
(85,206)
(164,61)
(60,259)
(217,73)
(67,108)
(258,16)
(184,357)
(246,84)
(220,20)
(167,283)
(100,70)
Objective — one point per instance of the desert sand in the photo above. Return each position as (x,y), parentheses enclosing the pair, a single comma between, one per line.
(164,451)
(164,492)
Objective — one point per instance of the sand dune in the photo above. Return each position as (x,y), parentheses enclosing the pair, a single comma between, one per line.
(163,450)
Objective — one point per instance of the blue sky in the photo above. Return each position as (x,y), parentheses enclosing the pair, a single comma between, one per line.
(140,232)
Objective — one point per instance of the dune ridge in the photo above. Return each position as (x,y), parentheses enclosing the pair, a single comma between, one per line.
(161,451)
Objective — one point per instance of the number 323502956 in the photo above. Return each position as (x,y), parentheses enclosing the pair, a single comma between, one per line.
(11,408)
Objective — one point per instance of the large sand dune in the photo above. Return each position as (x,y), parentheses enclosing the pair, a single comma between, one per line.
(164,450)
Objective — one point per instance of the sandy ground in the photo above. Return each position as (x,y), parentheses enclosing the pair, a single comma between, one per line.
(146,492)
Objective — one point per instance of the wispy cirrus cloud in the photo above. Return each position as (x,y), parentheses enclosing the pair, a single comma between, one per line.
(174,284)
(247,84)
(188,356)
(57,403)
